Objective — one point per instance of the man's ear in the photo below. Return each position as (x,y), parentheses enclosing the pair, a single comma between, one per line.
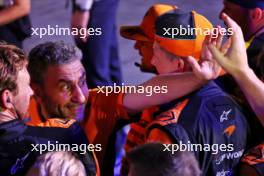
(257,14)
(178,63)
(6,100)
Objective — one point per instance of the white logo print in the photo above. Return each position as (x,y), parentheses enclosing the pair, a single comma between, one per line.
(224,115)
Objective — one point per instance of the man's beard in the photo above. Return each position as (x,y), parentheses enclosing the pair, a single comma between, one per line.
(67,111)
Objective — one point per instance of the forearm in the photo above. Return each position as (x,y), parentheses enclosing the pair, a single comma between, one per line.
(253,88)
(19,9)
(178,85)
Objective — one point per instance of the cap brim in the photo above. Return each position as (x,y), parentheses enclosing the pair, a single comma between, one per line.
(133,33)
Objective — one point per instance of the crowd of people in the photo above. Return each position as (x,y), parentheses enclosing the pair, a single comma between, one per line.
(213,107)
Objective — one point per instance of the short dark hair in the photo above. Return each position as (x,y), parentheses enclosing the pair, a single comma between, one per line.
(151,160)
(50,53)
(12,60)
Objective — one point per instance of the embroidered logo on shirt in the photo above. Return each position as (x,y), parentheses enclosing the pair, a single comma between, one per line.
(224,115)
(19,164)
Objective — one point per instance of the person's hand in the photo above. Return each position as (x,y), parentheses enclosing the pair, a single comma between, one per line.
(234,61)
(79,20)
(207,68)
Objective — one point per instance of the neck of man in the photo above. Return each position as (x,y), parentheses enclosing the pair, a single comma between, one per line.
(256,32)
(6,116)
(43,113)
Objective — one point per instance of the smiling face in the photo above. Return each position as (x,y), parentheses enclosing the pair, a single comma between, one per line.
(64,92)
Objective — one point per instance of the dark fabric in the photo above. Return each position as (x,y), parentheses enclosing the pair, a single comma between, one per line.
(228,84)
(175,19)
(9,37)
(259,168)
(250,4)
(16,31)
(21,27)
(253,51)
(16,150)
(100,53)
(202,121)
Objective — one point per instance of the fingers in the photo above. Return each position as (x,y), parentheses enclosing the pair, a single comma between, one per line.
(226,46)
(238,35)
(228,21)
(217,55)
(219,38)
(204,51)
(207,53)
(207,40)
(194,64)
(215,38)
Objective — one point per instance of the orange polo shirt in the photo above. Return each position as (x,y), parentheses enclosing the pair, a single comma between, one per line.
(101,116)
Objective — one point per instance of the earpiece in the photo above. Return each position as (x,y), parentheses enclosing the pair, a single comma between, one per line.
(8,100)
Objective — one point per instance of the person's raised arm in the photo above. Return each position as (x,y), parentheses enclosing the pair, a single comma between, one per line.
(178,84)
(235,62)
(18,9)
(81,16)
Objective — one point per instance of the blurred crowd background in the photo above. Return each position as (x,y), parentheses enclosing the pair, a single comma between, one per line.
(130,12)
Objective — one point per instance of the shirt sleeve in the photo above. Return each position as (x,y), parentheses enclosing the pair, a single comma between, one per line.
(102,117)
(110,106)
(84,4)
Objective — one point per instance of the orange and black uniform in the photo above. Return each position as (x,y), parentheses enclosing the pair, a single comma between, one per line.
(104,115)
(208,116)
(255,159)
(16,140)
(256,130)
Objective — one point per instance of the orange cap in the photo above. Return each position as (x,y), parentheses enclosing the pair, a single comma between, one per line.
(145,31)
(169,23)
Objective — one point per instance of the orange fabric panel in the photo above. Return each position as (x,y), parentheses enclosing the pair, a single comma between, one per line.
(165,118)
(255,155)
(102,114)
(158,135)
(56,122)
(187,47)
(170,116)
(136,134)
(33,112)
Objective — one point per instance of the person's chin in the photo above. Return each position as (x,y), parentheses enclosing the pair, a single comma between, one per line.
(23,115)
(76,113)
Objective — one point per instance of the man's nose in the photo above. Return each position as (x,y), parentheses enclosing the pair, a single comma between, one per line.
(78,95)
(30,91)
